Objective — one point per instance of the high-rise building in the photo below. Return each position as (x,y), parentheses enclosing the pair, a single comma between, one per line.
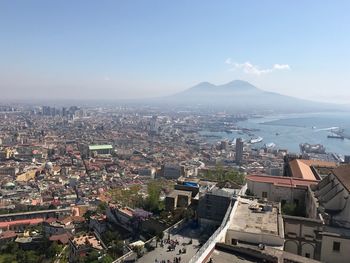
(224,145)
(46,110)
(239,150)
(347,158)
(154,126)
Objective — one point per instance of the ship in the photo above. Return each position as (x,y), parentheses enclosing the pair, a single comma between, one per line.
(255,140)
(332,136)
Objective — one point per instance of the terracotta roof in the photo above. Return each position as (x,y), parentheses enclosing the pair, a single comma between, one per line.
(8,234)
(34,221)
(87,239)
(281,180)
(343,175)
(127,211)
(50,220)
(319,163)
(72,219)
(62,238)
(301,168)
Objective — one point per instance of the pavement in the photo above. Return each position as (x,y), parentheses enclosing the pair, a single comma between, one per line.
(183,237)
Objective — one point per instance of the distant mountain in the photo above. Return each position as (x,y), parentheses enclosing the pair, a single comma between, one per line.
(243,96)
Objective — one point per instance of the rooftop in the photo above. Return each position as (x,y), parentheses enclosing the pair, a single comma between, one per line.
(7,234)
(301,168)
(34,221)
(249,217)
(100,147)
(87,240)
(343,175)
(281,180)
(175,193)
(127,211)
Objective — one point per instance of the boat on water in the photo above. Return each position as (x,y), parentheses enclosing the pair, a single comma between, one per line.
(270,145)
(210,136)
(256,140)
(335,137)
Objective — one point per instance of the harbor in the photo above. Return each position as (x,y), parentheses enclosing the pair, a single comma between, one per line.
(287,131)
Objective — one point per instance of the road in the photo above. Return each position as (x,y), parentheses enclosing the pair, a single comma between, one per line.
(60,254)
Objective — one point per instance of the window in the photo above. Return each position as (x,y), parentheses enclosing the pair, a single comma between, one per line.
(234,241)
(264,194)
(336,246)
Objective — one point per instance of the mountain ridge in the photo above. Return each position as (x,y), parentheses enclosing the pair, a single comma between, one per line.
(242,95)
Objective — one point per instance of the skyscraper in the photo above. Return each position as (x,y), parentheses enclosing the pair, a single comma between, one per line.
(239,150)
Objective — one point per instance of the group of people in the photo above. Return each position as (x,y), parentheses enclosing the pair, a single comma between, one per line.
(172,244)
(175,260)
(182,251)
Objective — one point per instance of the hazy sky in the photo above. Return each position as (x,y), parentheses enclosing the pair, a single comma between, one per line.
(121,49)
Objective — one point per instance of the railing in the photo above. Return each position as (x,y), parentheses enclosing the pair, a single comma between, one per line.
(125,256)
(211,240)
(214,237)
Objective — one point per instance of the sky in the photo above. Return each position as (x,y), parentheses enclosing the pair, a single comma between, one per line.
(102,49)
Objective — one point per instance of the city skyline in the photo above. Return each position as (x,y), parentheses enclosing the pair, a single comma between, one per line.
(116,50)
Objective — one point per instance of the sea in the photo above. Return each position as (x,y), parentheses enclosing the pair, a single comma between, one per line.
(287,131)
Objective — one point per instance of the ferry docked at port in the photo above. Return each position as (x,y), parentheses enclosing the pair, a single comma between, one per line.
(256,140)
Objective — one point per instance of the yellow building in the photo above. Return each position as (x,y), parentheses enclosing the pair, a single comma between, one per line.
(25,177)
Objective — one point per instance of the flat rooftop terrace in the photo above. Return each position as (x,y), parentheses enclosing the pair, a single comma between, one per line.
(252,217)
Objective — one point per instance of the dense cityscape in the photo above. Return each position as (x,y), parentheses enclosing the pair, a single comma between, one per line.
(126,184)
(174,131)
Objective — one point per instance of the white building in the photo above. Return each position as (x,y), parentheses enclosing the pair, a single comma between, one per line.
(256,222)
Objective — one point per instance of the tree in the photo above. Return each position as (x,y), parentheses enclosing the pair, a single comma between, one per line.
(220,174)
(138,251)
(52,206)
(10,248)
(289,209)
(117,248)
(102,207)
(106,259)
(188,213)
(88,214)
(153,203)
(31,257)
(5,258)
(109,237)
(92,257)
(53,250)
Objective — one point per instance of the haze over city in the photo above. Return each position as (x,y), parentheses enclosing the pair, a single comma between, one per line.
(84,50)
(189,131)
